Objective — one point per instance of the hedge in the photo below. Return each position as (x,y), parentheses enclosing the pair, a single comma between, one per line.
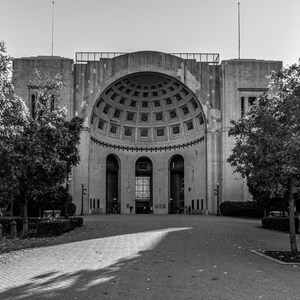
(76,221)
(279,223)
(54,227)
(241,209)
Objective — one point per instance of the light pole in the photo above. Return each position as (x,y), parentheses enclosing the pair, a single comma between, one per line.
(82,191)
(218,199)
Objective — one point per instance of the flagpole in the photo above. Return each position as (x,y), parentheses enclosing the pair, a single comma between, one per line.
(52,31)
(239,31)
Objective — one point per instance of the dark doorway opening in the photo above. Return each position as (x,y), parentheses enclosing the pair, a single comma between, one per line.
(176,201)
(112,185)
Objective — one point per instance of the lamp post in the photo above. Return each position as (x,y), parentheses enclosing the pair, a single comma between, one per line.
(82,191)
(218,199)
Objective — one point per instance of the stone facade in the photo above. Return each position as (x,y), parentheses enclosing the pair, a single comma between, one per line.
(156,127)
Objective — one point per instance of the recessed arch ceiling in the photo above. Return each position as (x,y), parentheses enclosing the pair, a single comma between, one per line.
(145,108)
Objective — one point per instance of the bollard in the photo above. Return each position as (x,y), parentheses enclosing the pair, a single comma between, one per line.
(0,232)
(13,229)
(25,226)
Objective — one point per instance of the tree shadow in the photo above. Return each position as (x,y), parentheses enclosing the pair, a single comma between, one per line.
(101,283)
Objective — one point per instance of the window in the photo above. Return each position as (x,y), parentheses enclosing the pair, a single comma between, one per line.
(142,188)
(33,103)
(242,106)
(251,100)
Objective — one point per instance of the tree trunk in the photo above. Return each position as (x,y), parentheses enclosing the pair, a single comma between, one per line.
(293,241)
(25,212)
(11,212)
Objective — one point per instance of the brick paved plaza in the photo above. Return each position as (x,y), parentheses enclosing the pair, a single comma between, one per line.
(154,257)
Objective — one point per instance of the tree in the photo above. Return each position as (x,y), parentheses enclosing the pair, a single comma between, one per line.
(13,119)
(268,141)
(36,152)
(49,143)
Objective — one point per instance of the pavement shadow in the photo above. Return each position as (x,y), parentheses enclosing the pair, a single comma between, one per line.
(102,283)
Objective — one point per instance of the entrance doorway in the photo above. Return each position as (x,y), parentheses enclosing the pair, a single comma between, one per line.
(112,185)
(176,201)
(143,186)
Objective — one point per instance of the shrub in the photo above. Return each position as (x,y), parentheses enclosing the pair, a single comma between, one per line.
(54,227)
(77,221)
(241,209)
(72,209)
(279,223)
(32,222)
(5,222)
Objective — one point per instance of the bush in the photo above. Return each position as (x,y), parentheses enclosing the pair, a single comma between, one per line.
(72,209)
(279,223)
(5,222)
(32,222)
(241,209)
(77,221)
(54,227)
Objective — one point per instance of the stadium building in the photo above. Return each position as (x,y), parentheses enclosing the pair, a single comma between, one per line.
(155,136)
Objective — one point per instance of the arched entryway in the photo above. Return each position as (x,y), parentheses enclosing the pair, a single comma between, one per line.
(143,186)
(112,184)
(176,201)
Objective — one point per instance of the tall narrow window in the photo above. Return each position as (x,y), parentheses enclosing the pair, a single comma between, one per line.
(242,106)
(33,106)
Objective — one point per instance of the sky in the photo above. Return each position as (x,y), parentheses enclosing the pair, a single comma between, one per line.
(269,29)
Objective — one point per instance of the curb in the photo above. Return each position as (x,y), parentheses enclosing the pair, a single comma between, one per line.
(273,259)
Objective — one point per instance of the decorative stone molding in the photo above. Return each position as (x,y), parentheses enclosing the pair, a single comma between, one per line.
(148,149)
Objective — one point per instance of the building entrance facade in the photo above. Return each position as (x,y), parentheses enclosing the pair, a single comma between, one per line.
(155,135)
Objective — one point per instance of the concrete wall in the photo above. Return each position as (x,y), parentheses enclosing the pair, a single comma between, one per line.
(240,78)
(24,69)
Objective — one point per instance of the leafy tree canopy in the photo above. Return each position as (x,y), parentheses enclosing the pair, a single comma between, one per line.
(268,137)
(268,141)
(37,151)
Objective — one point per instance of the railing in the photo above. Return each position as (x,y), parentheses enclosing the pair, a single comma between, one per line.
(84,57)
